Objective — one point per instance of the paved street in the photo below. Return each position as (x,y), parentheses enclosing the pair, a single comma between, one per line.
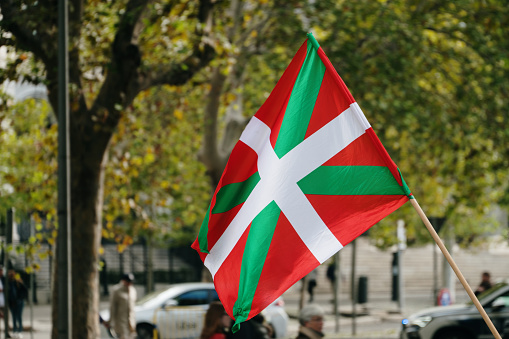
(379,318)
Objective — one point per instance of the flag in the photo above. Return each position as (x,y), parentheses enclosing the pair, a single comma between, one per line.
(307,176)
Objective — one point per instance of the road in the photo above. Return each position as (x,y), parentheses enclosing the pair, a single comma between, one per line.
(380,317)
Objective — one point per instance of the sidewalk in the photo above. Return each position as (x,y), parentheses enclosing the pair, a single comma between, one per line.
(378,318)
(38,317)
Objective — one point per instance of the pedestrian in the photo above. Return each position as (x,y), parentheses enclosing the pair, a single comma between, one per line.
(331,271)
(312,283)
(216,320)
(254,328)
(103,276)
(122,301)
(2,295)
(311,322)
(17,294)
(485,283)
(331,276)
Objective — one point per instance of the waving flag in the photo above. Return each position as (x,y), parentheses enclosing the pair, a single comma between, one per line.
(307,176)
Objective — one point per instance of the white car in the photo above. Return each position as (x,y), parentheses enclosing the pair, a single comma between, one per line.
(178,312)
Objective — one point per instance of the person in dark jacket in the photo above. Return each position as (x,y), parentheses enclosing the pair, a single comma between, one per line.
(254,328)
(311,322)
(17,295)
(2,293)
(311,278)
(485,283)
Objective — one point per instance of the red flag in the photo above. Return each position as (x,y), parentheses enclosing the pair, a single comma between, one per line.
(307,176)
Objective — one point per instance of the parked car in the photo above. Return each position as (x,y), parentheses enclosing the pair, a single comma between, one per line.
(462,321)
(177,312)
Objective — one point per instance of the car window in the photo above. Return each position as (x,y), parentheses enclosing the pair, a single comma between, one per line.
(197,297)
(215,297)
(501,301)
(148,297)
(488,293)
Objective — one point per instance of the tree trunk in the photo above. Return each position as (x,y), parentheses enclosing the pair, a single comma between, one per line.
(87,178)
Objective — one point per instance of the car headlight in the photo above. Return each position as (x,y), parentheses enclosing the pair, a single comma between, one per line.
(421,321)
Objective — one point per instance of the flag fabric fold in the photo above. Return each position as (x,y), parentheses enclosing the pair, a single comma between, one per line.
(307,177)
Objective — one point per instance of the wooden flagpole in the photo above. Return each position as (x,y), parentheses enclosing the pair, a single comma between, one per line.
(460,276)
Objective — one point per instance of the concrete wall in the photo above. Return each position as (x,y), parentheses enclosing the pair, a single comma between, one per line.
(371,262)
(418,272)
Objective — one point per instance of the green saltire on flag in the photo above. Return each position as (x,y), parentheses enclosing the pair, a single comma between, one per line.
(304,93)
(307,176)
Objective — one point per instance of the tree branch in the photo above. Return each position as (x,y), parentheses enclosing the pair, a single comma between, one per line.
(179,73)
(126,59)
(125,79)
(14,21)
(209,154)
(203,52)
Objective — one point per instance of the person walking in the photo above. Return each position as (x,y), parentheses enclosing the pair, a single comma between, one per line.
(2,293)
(254,328)
(331,276)
(16,297)
(312,283)
(103,276)
(311,322)
(215,322)
(485,284)
(122,301)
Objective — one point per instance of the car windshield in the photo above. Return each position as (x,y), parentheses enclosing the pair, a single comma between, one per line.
(489,292)
(149,297)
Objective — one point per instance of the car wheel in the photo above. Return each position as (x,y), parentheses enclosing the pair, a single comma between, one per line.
(453,333)
(145,332)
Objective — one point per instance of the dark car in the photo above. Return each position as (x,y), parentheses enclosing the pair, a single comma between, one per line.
(462,321)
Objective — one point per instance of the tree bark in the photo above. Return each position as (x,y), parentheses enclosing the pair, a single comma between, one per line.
(214,153)
(87,183)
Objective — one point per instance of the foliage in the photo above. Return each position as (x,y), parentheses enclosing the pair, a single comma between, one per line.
(431,78)
(155,185)
(28,174)
(28,136)
(150,187)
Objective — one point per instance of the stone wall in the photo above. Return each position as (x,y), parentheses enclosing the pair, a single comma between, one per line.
(418,268)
